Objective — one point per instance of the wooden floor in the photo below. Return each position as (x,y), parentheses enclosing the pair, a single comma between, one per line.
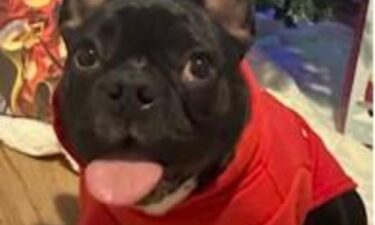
(35,191)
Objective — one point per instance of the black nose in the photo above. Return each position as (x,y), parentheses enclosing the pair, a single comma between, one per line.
(143,94)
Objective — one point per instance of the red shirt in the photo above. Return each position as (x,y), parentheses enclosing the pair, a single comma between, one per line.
(280,172)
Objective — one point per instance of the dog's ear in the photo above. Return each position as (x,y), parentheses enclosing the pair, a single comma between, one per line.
(235,16)
(73,12)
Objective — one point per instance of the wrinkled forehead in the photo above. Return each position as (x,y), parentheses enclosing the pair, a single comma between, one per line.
(153,24)
(156,12)
(146,14)
(166,6)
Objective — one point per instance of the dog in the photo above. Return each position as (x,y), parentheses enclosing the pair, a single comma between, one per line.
(169,125)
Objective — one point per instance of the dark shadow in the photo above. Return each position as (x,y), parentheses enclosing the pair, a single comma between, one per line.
(67,208)
(8,76)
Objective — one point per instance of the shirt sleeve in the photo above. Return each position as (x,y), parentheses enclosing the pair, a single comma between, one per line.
(329,178)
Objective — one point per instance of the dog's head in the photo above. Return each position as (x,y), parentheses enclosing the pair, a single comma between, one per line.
(151,89)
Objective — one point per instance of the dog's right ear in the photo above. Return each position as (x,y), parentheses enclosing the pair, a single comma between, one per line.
(237,17)
(73,12)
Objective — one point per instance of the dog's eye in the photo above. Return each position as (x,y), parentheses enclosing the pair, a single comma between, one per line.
(199,67)
(87,57)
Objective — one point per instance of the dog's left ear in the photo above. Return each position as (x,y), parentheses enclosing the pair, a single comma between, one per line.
(237,17)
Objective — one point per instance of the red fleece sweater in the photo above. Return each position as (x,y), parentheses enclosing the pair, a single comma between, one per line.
(280,172)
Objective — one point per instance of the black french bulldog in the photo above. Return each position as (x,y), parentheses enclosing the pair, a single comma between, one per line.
(153,104)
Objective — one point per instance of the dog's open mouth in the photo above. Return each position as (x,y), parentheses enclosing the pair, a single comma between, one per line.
(121,182)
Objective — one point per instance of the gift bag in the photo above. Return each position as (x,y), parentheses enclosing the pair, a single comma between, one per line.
(31,56)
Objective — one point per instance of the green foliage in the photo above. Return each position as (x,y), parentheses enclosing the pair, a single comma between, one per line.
(312,10)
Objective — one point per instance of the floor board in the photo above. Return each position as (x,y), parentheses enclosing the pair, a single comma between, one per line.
(35,191)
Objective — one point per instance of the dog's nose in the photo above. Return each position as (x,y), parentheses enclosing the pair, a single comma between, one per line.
(145,96)
(143,93)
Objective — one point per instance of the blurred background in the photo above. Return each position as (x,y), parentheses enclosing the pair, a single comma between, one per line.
(326,48)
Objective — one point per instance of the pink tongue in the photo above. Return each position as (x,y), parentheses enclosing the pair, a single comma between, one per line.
(121,183)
